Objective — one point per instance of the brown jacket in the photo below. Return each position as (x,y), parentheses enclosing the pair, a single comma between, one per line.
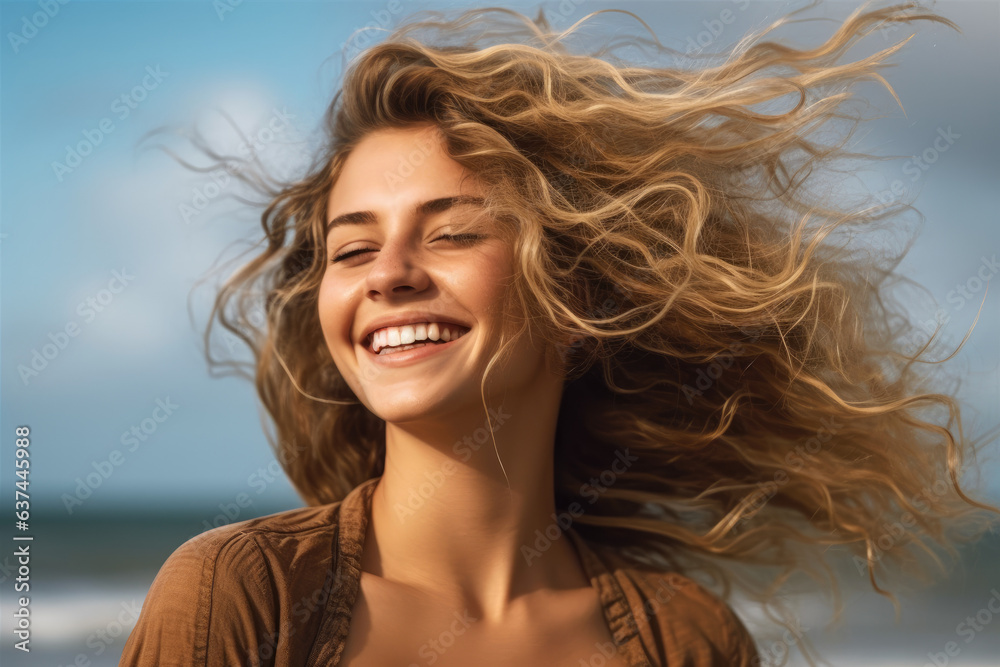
(278,592)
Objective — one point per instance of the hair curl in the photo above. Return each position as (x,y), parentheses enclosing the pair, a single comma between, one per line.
(733,337)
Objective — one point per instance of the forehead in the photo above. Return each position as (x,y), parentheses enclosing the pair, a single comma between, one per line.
(391,165)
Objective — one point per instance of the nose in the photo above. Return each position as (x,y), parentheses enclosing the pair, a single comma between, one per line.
(397,269)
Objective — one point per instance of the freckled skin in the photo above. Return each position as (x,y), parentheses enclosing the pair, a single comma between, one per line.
(434,550)
(412,269)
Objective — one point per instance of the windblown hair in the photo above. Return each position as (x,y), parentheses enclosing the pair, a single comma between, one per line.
(733,339)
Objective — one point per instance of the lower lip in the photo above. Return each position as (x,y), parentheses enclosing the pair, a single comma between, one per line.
(416,354)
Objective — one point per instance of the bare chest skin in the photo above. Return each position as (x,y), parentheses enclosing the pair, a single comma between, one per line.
(392,625)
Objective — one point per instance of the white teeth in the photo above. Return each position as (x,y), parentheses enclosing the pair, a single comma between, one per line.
(408,334)
(403,348)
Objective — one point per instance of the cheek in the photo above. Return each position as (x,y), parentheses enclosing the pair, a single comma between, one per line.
(331,307)
(477,286)
(496,276)
(491,297)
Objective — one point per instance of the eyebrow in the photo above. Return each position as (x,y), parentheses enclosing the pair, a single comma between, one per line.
(426,208)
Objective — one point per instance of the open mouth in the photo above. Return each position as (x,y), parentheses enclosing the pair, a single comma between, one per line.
(394,340)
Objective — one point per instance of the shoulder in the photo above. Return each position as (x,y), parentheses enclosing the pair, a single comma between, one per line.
(241,553)
(684,621)
(218,595)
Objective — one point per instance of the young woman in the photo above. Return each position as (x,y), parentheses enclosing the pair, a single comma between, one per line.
(552,350)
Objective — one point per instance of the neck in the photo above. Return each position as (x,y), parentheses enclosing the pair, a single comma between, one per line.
(451,521)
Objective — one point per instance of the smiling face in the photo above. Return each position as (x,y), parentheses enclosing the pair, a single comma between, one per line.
(390,260)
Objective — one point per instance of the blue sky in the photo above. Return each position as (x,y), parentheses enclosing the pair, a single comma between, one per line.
(104,248)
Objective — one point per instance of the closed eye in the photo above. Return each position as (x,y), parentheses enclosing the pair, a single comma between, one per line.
(463,239)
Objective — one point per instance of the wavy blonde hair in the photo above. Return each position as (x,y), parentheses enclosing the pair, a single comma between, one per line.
(733,340)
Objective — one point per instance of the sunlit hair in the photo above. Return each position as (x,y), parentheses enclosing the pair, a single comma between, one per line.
(736,336)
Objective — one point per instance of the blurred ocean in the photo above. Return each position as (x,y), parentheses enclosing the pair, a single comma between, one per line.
(90,575)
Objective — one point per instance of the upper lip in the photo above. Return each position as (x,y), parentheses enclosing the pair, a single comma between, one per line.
(401,319)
